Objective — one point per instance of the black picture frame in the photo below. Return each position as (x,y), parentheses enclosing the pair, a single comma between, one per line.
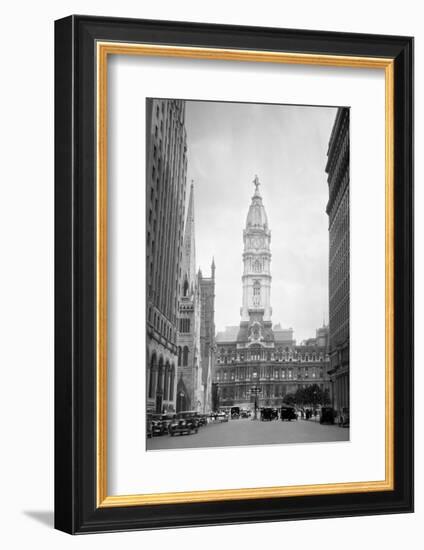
(76,509)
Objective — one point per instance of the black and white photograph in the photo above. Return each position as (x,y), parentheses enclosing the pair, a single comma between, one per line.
(247,274)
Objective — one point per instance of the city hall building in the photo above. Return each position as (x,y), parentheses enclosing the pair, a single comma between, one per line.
(256,353)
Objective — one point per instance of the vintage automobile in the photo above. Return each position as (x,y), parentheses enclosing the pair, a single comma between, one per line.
(235,413)
(222,417)
(203,419)
(244,413)
(193,416)
(288,413)
(268,413)
(183,426)
(327,415)
(167,419)
(158,427)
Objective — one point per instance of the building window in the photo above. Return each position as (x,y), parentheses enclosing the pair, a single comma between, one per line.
(185,288)
(184,325)
(185,356)
(256,293)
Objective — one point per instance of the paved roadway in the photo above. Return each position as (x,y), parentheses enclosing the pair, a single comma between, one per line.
(251,432)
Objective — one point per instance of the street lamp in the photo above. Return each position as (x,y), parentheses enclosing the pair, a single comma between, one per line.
(255,390)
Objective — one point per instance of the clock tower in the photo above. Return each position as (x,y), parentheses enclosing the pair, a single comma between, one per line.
(256,309)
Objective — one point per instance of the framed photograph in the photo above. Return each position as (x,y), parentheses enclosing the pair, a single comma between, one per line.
(234,232)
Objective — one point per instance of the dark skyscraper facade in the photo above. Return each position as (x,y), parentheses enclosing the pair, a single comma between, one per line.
(338,216)
(166,172)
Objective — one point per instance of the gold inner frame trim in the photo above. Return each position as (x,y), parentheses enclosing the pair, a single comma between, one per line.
(103,50)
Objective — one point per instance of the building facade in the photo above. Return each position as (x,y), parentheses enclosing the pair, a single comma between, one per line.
(257,354)
(339,291)
(196,326)
(166,170)
(207,334)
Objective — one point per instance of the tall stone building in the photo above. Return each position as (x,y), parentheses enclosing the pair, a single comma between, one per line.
(256,354)
(207,334)
(166,169)
(338,216)
(196,327)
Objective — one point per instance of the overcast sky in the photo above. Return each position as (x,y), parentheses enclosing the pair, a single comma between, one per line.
(228,143)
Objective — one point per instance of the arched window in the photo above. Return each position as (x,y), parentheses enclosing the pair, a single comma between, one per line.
(166,382)
(171,383)
(256,293)
(257,266)
(185,356)
(179,356)
(159,385)
(185,288)
(151,375)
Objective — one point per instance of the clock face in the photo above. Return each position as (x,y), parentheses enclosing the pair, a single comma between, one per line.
(256,242)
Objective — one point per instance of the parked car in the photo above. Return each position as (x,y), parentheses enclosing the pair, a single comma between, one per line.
(327,415)
(235,413)
(182,426)
(158,427)
(193,416)
(167,419)
(268,413)
(288,413)
(202,419)
(245,413)
(222,417)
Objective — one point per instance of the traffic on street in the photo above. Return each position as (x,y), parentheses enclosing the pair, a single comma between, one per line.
(235,427)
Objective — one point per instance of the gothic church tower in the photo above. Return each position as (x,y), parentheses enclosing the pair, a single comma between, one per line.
(189,372)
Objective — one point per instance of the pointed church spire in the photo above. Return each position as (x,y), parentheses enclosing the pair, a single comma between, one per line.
(213,268)
(189,246)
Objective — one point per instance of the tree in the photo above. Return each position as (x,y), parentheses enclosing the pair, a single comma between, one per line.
(314,396)
(289,399)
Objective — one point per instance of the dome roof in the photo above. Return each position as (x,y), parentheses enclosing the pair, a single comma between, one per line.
(256,216)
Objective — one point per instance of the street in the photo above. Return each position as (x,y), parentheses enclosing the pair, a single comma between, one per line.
(251,432)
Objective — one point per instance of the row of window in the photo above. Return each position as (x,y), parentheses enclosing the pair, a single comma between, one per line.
(267,391)
(253,356)
(223,375)
(163,326)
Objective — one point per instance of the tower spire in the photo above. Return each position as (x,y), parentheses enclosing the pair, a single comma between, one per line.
(213,268)
(189,245)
